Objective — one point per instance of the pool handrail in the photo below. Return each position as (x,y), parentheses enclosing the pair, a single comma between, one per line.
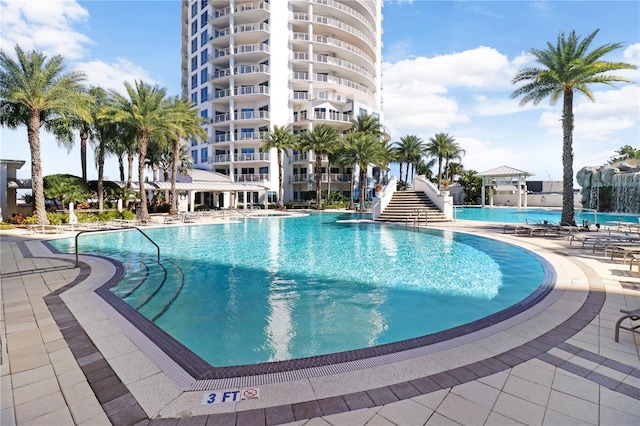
(105,230)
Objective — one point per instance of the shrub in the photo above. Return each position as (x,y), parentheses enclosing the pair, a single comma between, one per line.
(56,218)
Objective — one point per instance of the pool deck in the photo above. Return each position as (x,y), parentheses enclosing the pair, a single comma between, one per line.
(68,358)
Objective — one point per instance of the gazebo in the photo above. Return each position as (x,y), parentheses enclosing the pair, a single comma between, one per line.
(503,179)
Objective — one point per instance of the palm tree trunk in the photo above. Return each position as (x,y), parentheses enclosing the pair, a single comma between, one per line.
(121,167)
(37,184)
(280,182)
(101,148)
(362,187)
(568,214)
(318,179)
(352,205)
(400,170)
(144,211)
(174,175)
(130,159)
(83,153)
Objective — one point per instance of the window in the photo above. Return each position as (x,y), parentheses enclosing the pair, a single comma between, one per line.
(204,38)
(263,170)
(246,113)
(204,154)
(204,75)
(194,97)
(272,197)
(194,9)
(194,63)
(203,19)
(204,94)
(194,27)
(194,142)
(362,112)
(194,155)
(204,56)
(204,3)
(204,113)
(194,81)
(194,45)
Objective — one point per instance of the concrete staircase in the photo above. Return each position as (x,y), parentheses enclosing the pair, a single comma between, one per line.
(405,206)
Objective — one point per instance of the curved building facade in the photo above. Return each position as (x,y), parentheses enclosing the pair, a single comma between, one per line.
(252,65)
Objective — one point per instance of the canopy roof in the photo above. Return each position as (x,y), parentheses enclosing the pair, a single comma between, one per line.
(504,171)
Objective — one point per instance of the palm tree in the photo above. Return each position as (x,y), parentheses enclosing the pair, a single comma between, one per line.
(280,138)
(321,139)
(453,152)
(363,149)
(409,150)
(439,147)
(186,123)
(33,92)
(104,131)
(145,112)
(567,68)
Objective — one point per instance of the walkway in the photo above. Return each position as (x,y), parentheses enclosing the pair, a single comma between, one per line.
(67,359)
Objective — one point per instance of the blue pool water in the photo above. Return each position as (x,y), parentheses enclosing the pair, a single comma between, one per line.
(514,215)
(277,289)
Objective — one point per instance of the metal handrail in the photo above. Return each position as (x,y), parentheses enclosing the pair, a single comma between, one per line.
(104,230)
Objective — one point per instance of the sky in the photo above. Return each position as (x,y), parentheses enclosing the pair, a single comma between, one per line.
(447,68)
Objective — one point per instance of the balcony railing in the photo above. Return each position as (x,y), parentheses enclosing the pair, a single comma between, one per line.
(305,76)
(240,137)
(245,115)
(332,116)
(335,178)
(250,69)
(346,9)
(251,177)
(226,158)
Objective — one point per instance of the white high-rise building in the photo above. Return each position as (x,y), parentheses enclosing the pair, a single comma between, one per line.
(251,65)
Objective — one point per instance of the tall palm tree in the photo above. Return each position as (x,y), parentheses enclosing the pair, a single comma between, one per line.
(321,139)
(453,152)
(186,123)
(438,147)
(280,138)
(145,112)
(363,149)
(567,68)
(409,150)
(104,131)
(35,91)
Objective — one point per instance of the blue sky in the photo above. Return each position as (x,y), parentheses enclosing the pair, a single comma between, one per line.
(447,67)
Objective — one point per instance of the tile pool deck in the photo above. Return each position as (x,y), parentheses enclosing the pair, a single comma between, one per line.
(67,358)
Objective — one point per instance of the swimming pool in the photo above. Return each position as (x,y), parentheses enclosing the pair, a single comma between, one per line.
(269,289)
(514,215)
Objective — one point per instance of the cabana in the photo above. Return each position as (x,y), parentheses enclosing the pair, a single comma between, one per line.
(503,179)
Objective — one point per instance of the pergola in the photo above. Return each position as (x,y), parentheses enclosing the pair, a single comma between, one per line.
(505,178)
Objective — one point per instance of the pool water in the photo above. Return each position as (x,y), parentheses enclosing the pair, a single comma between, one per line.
(514,215)
(274,289)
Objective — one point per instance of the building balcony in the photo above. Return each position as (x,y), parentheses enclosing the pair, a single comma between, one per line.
(324,178)
(257,177)
(331,116)
(333,7)
(327,81)
(240,158)
(333,62)
(335,45)
(239,137)
(248,116)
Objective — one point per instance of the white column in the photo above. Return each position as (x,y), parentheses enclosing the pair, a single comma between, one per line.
(482,193)
(192,201)
(520,192)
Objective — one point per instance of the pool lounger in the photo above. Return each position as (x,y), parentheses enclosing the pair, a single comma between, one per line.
(633,316)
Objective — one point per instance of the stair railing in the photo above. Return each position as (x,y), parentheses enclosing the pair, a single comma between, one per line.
(106,230)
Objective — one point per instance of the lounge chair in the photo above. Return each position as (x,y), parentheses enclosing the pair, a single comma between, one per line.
(633,316)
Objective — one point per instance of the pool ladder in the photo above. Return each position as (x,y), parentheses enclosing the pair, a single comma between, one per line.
(105,230)
(415,218)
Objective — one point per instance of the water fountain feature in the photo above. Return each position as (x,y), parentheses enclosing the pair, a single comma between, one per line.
(612,188)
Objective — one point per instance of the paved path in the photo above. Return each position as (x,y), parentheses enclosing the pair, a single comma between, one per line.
(67,360)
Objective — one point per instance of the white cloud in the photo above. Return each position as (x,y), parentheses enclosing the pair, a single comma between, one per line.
(113,76)
(45,26)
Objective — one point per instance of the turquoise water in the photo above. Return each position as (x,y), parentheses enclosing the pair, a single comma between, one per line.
(277,289)
(514,215)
